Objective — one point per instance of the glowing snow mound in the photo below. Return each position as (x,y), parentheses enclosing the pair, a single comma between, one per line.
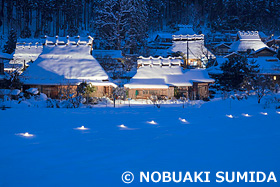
(122,126)
(25,134)
(246,115)
(82,128)
(152,122)
(183,120)
(229,116)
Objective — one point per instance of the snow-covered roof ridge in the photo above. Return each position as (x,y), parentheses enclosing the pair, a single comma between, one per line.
(68,40)
(188,37)
(196,49)
(170,61)
(248,35)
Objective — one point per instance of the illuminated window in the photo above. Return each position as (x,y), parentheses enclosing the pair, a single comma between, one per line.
(274,78)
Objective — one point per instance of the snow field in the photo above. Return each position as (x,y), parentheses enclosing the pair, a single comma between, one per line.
(121,139)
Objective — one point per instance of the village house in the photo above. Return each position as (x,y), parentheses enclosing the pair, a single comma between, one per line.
(165,77)
(194,52)
(273,42)
(4,59)
(221,49)
(264,57)
(164,40)
(247,42)
(64,63)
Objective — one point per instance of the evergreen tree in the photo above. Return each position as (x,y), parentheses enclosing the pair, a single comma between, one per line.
(107,25)
(136,21)
(10,45)
(25,33)
(236,71)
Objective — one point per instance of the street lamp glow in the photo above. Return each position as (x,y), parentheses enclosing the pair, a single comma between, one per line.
(152,122)
(82,128)
(229,116)
(26,134)
(246,115)
(183,120)
(122,126)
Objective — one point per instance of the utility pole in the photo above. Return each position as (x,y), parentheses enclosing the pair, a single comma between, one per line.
(187,63)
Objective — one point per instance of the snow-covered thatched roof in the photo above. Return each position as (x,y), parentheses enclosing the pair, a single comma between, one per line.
(247,40)
(164,76)
(63,64)
(27,52)
(183,30)
(197,50)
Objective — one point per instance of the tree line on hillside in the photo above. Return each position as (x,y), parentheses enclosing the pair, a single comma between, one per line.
(124,24)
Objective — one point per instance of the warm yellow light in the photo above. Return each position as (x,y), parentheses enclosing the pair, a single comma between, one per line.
(274,78)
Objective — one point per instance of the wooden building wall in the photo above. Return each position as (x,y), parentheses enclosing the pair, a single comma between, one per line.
(60,91)
(144,93)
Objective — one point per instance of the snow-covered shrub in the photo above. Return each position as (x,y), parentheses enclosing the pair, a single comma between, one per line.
(33,91)
(74,102)
(272,101)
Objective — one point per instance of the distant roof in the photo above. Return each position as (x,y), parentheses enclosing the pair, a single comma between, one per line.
(247,40)
(165,35)
(107,53)
(163,77)
(268,65)
(6,56)
(197,50)
(63,64)
(221,44)
(184,29)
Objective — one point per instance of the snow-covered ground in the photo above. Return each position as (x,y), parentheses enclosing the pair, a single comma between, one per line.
(215,136)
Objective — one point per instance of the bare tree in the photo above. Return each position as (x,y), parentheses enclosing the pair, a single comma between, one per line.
(119,93)
(157,100)
(262,85)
